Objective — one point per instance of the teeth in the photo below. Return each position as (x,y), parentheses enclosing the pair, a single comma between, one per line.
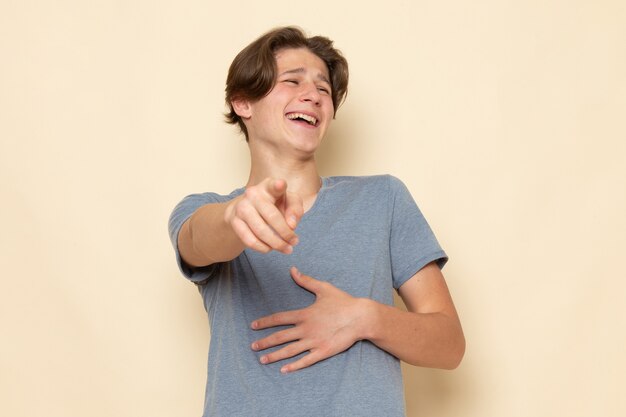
(310,119)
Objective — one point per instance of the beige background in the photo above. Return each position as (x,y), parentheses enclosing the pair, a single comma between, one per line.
(505,119)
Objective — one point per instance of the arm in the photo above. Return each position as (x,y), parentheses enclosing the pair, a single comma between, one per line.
(429,334)
(221,244)
(263,218)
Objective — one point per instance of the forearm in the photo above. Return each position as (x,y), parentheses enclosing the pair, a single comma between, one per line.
(206,238)
(431,336)
(432,340)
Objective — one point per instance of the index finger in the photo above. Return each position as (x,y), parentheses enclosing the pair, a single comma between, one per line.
(277,319)
(276,187)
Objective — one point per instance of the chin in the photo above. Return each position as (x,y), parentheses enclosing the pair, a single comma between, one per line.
(306,145)
(310,149)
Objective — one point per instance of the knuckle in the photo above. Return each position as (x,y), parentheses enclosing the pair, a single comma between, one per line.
(280,246)
(291,350)
(270,320)
(241,209)
(251,192)
(262,233)
(248,240)
(277,318)
(325,349)
(237,225)
(276,338)
(278,355)
(274,217)
(303,315)
(263,249)
(267,229)
(306,361)
(297,209)
(283,317)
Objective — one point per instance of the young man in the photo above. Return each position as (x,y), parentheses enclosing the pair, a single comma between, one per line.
(297,271)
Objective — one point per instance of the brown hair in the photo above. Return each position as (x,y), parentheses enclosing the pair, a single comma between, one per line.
(252,74)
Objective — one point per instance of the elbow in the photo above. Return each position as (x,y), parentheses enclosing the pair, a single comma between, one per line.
(447,357)
(456,348)
(455,354)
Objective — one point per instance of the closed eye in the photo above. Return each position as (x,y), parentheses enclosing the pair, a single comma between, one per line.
(294,82)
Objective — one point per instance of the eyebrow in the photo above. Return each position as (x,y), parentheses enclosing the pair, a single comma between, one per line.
(300,70)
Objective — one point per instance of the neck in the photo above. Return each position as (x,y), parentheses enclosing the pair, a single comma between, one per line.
(300,173)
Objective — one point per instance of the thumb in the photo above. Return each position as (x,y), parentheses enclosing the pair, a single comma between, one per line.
(305,281)
(294,209)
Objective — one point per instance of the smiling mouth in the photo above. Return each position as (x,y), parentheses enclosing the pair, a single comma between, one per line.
(303,117)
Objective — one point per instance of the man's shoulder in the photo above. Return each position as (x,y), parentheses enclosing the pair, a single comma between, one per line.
(384,184)
(212,197)
(362,181)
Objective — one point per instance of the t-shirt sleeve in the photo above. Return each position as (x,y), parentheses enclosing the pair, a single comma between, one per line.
(413,244)
(181,213)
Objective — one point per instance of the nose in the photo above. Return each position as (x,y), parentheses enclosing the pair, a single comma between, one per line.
(310,93)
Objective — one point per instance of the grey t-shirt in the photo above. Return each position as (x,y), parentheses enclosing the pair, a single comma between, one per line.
(366,236)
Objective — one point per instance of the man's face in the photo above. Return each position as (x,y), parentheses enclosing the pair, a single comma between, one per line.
(298,110)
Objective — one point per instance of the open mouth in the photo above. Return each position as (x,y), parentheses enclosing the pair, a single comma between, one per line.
(303,118)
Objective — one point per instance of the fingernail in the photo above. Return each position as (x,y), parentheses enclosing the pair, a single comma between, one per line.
(284,370)
(254,325)
(293,222)
(289,250)
(263,359)
(294,241)
(255,346)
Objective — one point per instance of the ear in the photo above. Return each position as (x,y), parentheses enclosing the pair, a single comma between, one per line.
(242,107)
